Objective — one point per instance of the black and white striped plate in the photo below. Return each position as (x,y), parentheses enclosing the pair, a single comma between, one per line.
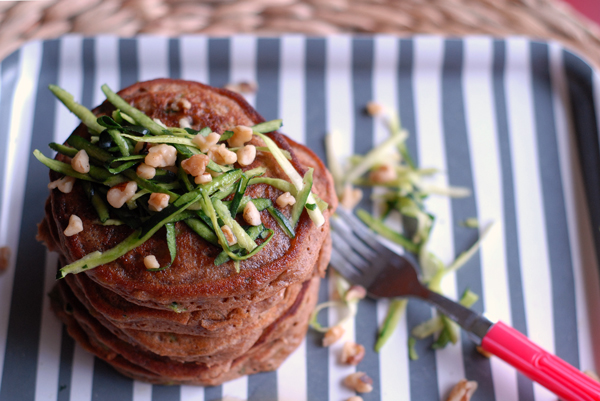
(514,120)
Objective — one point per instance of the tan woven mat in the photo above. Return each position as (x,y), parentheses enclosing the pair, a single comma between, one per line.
(545,19)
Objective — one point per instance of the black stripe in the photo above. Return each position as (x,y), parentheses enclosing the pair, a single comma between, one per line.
(213,393)
(557,231)
(511,233)
(10,75)
(218,61)
(267,78)
(263,386)
(65,369)
(362,92)
(128,63)
(20,361)
(422,372)
(477,367)
(89,73)
(583,112)
(108,384)
(406,96)
(165,393)
(174,58)
(317,361)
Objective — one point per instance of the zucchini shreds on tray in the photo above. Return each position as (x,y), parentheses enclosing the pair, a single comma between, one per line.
(138,172)
(401,189)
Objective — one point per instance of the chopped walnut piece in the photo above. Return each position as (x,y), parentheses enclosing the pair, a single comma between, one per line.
(145,171)
(195,165)
(591,374)
(355,293)
(221,155)
(285,199)
(333,335)
(246,155)
(121,193)
(64,185)
(162,155)
(251,214)
(158,201)
(229,235)
(81,162)
(204,143)
(351,197)
(375,109)
(185,122)
(242,87)
(384,173)
(352,353)
(462,391)
(151,262)
(179,104)
(203,179)
(359,382)
(4,258)
(241,135)
(75,226)
(483,352)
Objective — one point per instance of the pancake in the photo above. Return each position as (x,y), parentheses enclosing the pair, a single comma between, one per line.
(207,322)
(193,280)
(276,342)
(194,322)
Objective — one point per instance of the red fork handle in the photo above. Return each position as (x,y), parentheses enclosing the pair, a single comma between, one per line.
(567,382)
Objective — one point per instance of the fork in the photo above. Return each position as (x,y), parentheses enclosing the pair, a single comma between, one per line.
(362,259)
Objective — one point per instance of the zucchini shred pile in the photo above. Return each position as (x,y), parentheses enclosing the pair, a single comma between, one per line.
(400,190)
(118,145)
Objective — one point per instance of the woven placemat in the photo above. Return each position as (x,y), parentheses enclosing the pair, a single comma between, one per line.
(21,21)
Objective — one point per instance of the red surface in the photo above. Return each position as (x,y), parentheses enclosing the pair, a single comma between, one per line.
(589,8)
(550,371)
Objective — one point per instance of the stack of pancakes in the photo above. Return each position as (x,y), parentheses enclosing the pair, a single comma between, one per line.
(193,323)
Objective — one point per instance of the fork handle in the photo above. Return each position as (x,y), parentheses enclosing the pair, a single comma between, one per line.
(569,383)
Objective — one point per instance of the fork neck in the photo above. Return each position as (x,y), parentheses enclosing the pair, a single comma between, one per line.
(475,324)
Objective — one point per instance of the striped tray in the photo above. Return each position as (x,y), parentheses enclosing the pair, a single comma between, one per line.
(492,115)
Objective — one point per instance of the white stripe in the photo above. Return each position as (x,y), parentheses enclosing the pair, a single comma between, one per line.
(427,88)
(236,389)
(153,57)
(48,363)
(340,116)
(17,157)
(191,393)
(338,81)
(291,376)
(106,62)
(243,63)
(529,206)
(142,391)
(292,86)
(585,265)
(194,58)
(70,74)
(487,181)
(393,360)
(82,374)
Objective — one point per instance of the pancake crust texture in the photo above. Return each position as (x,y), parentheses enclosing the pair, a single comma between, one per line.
(194,322)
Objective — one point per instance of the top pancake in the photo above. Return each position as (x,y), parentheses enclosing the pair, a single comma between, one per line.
(193,278)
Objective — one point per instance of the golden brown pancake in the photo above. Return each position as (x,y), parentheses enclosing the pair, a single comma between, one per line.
(226,323)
